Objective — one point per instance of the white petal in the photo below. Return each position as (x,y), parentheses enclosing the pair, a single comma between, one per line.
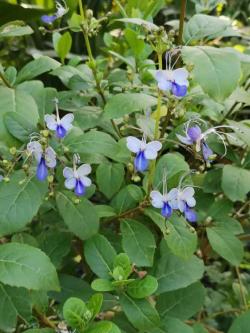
(184,139)
(84,170)
(157,199)
(134,144)
(50,157)
(173,198)
(181,205)
(180,76)
(70,183)
(68,172)
(151,149)
(66,121)
(35,149)
(188,192)
(50,120)
(164,80)
(86,181)
(191,202)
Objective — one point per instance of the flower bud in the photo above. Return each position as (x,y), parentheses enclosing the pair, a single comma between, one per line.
(5,162)
(51,194)
(6,179)
(25,167)
(65,149)
(13,150)
(45,133)
(136,179)
(21,182)
(50,179)
(77,201)
(130,167)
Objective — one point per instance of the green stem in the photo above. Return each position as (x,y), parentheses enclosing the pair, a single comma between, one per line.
(243,297)
(182,18)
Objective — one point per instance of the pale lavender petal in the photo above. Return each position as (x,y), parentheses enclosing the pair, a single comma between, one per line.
(50,157)
(50,120)
(68,172)
(180,76)
(188,192)
(86,181)
(184,139)
(84,170)
(134,144)
(67,120)
(157,199)
(151,150)
(70,183)
(35,149)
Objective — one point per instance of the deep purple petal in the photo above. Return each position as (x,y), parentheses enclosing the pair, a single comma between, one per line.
(179,91)
(190,214)
(206,152)
(48,19)
(79,188)
(60,131)
(140,162)
(194,133)
(166,210)
(42,170)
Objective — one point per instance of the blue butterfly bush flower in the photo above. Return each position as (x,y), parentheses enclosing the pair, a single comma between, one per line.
(76,178)
(195,136)
(163,201)
(144,151)
(46,158)
(60,126)
(61,11)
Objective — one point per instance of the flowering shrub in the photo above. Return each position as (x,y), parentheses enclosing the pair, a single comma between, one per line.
(125,176)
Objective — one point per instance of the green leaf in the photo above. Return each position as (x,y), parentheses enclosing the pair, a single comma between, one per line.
(174,272)
(109,178)
(199,328)
(127,198)
(241,324)
(18,126)
(62,44)
(81,219)
(172,325)
(235,182)
(210,66)
(102,285)
(40,330)
(226,244)
(14,303)
(20,103)
(202,26)
(93,142)
(140,313)
(101,327)
(143,287)
(175,165)
(94,304)
(138,242)
(181,303)
(74,311)
(122,104)
(36,67)
(22,265)
(122,260)
(140,22)
(19,203)
(180,239)
(100,255)
(15,29)
(157,218)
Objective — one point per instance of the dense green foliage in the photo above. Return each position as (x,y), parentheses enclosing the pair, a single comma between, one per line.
(97,248)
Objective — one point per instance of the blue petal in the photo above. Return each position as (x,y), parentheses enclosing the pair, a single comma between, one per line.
(179,91)
(48,19)
(79,188)
(140,162)
(207,152)
(42,170)
(60,131)
(166,210)
(194,133)
(190,214)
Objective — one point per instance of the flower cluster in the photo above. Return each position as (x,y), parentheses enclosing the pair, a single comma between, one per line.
(60,11)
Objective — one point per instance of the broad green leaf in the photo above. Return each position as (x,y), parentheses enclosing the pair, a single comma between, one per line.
(81,218)
(62,45)
(15,29)
(180,239)
(19,203)
(40,330)
(20,103)
(122,104)
(226,244)
(105,211)
(74,312)
(210,67)
(212,181)
(100,254)
(127,198)
(157,218)
(14,303)
(235,182)
(174,164)
(93,142)
(18,126)
(138,242)
(172,325)
(174,272)
(101,327)
(72,286)
(109,178)
(181,303)
(142,288)
(36,67)
(230,224)
(24,238)
(241,324)
(202,26)
(140,313)
(22,265)
(199,328)
(102,285)
(122,260)
(94,304)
